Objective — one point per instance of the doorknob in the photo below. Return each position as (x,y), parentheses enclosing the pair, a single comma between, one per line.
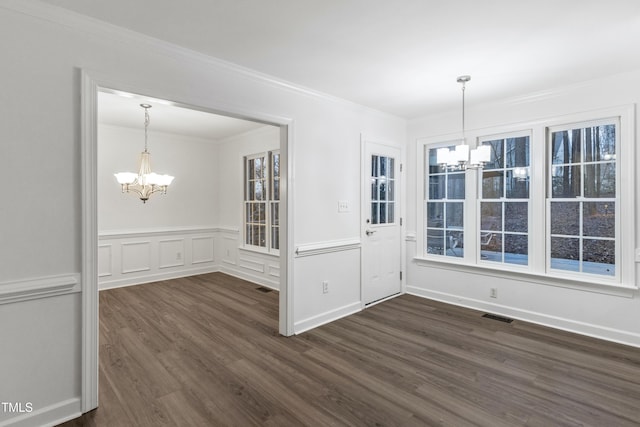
(370,232)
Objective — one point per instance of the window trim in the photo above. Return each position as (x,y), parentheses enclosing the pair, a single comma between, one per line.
(268,201)
(536,271)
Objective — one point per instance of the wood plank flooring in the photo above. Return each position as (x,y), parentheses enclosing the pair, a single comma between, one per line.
(204,351)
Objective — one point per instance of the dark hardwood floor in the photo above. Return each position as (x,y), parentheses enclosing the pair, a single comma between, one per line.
(204,351)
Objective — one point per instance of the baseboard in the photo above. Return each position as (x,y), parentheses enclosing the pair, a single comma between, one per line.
(587,329)
(253,278)
(157,277)
(49,416)
(324,318)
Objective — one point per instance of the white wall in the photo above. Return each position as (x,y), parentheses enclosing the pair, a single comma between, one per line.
(43,54)
(611,314)
(191,199)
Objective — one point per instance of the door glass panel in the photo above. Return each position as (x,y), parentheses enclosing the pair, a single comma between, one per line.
(382,190)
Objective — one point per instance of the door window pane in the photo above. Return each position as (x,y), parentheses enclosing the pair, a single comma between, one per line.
(382,190)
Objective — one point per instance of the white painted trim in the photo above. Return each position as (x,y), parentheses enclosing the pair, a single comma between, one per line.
(251,264)
(330,246)
(51,415)
(527,276)
(245,275)
(42,287)
(120,283)
(591,330)
(124,270)
(328,317)
(203,260)
(91,82)
(227,229)
(89,239)
(133,234)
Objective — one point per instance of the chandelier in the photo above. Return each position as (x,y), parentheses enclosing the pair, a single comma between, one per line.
(461,158)
(144,183)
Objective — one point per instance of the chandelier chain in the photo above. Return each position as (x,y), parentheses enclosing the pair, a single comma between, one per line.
(463,87)
(146,126)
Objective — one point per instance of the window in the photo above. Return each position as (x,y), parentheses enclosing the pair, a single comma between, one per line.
(262,200)
(582,198)
(382,190)
(444,208)
(274,200)
(504,202)
(550,202)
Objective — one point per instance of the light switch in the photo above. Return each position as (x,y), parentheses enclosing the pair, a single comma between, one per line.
(343,206)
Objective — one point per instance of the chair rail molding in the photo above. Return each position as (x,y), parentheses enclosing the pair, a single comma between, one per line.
(41,287)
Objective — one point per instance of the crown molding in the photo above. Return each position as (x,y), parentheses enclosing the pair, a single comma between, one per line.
(96,27)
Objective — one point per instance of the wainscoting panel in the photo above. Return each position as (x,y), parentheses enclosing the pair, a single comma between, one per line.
(202,249)
(253,265)
(136,257)
(133,257)
(171,253)
(153,255)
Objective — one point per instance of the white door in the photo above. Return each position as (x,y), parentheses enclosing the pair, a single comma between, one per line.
(381,231)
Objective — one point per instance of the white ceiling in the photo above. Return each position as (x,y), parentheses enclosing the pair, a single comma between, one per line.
(123,109)
(400,56)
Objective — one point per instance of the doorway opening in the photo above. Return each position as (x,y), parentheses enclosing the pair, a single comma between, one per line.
(94,266)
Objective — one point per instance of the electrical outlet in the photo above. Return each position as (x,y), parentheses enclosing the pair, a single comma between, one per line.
(325,287)
(493,292)
(178,256)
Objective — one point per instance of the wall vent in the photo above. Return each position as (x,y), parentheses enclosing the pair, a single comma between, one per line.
(498,318)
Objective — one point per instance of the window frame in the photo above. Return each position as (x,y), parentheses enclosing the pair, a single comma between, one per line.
(503,200)
(537,270)
(581,199)
(268,200)
(447,240)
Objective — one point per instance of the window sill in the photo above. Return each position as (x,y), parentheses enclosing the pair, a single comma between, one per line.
(258,250)
(524,275)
